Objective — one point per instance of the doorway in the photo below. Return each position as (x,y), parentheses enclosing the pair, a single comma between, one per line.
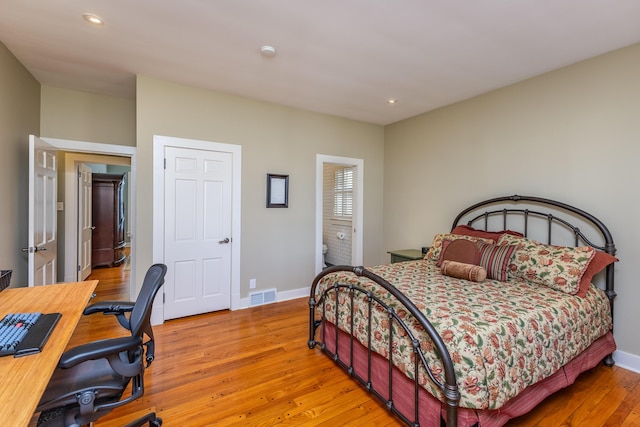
(72,209)
(339,226)
(91,152)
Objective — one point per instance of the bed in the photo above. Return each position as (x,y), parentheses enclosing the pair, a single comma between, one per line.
(462,351)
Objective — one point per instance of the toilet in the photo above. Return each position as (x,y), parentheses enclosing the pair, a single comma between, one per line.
(324,253)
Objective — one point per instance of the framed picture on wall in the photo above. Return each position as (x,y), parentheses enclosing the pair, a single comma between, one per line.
(277,191)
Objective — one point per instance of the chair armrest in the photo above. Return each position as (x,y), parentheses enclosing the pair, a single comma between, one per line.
(109,307)
(98,350)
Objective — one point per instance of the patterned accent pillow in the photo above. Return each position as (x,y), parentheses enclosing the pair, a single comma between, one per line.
(436,246)
(558,267)
(495,259)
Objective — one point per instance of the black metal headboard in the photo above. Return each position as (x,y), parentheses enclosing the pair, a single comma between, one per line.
(477,216)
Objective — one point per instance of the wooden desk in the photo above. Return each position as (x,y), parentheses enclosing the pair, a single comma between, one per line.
(24,379)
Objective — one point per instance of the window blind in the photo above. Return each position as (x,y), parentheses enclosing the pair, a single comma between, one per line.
(343,193)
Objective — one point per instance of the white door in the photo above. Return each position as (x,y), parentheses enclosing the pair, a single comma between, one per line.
(197,234)
(85,223)
(43,195)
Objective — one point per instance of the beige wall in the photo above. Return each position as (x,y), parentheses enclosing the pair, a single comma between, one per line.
(19,117)
(571,135)
(274,139)
(278,245)
(91,117)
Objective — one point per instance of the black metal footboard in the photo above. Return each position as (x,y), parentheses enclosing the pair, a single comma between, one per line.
(449,387)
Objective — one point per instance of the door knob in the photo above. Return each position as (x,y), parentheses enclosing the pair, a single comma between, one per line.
(226,240)
(34,250)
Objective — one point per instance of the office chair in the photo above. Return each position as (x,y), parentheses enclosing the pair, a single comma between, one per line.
(90,379)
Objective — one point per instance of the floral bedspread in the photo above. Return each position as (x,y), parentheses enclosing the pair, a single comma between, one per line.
(502,337)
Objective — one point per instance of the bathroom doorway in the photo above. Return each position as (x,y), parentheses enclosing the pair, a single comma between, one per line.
(339,216)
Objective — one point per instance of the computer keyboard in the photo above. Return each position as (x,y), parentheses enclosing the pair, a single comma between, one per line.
(25,333)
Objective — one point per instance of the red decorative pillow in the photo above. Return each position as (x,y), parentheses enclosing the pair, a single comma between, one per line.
(467,230)
(461,250)
(438,242)
(599,262)
(495,259)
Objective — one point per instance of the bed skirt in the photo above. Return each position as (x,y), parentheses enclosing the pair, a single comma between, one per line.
(430,410)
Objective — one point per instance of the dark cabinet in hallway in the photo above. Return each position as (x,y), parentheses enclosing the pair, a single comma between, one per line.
(108,220)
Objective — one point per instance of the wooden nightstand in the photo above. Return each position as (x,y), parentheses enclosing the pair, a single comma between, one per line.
(405,255)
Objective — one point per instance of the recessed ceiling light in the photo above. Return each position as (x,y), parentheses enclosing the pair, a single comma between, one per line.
(268,51)
(392,101)
(93,19)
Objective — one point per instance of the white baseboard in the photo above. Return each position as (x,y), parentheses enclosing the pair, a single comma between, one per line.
(293,294)
(157,317)
(628,361)
(282,296)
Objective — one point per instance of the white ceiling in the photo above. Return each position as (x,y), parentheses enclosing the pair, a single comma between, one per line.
(341,57)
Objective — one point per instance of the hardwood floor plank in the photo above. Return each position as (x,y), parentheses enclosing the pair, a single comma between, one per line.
(252,367)
(633,419)
(629,410)
(554,410)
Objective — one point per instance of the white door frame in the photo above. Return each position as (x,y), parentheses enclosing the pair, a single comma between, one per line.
(108,150)
(358,198)
(159,144)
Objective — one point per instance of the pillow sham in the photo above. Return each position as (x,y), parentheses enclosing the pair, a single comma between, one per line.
(558,267)
(436,246)
(495,259)
(467,230)
(460,250)
(599,262)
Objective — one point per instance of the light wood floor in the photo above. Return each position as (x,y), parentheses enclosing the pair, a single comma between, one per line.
(253,368)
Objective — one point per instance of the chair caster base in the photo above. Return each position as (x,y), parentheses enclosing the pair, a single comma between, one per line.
(150,418)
